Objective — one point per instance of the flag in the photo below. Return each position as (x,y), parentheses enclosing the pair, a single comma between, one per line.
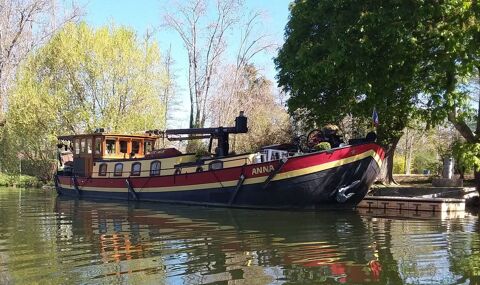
(375,120)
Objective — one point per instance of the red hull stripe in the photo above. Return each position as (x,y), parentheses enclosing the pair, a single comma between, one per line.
(256,173)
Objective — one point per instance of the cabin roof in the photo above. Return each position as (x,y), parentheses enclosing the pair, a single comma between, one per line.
(141,136)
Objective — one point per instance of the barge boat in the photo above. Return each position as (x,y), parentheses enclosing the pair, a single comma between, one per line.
(129,167)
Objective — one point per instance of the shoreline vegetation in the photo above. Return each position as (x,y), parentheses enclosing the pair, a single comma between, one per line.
(20,181)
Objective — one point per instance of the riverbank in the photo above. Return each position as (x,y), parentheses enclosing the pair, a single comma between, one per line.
(20,181)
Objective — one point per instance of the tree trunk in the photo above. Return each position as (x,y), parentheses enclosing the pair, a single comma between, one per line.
(477,131)
(408,161)
(386,172)
(477,180)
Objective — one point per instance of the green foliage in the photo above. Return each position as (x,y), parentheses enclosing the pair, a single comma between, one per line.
(322,146)
(7,180)
(80,80)
(42,169)
(201,150)
(399,164)
(467,155)
(450,55)
(22,181)
(26,181)
(338,61)
(426,161)
(407,59)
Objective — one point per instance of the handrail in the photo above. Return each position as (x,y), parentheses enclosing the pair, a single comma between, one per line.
(111,174)
(174,168)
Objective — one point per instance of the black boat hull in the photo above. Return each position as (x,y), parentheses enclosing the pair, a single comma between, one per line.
(317,190)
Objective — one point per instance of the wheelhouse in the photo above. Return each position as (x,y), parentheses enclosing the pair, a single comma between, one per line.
(87,149)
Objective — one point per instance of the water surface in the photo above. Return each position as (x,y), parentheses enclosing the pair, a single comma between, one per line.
(48,240)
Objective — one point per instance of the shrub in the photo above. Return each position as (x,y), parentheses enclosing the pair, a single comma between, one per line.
(398,164)
(42,169)
(23,181)
(7,180)
(323,146)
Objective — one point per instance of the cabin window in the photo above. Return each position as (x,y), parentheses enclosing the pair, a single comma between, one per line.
(98,145)
(89,145)
(136,169)
(111,147)
(199,169)
(82,146)
(136,147)
(215,165)
(123,146)
(118,169)
(77,146)
(155,168)
(148,147)
(102,169)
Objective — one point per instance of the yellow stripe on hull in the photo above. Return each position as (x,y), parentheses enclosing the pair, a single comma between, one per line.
(232,183)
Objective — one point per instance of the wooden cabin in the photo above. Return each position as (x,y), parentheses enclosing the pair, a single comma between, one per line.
(89,148)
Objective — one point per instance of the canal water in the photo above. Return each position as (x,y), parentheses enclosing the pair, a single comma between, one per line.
(48,240)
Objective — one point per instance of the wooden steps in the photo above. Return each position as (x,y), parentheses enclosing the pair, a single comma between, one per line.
(412,206)
(407,214)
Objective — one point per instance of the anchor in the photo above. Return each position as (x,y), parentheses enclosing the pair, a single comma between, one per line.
(342,196)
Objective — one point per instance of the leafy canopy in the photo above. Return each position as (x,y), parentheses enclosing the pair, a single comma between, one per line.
(406,58)
(347,57)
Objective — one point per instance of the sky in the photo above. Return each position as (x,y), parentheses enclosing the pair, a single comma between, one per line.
(143,15)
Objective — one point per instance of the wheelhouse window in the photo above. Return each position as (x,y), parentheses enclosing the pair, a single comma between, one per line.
(123,146)
(155,168)
(82,146)
(77,146)
(118,169)
(148,147)
(136,147)
(89,145)
(111,146)
(136,169)
(215,165)
(102,169)
(98,145)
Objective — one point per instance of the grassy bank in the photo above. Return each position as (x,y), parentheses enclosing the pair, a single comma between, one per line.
(21,181)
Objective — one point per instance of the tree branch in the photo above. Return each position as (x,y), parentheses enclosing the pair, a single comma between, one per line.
(461,127)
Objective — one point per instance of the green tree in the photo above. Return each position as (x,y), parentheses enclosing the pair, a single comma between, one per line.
(84,78)
(406,58)
(450,60)
(348,57)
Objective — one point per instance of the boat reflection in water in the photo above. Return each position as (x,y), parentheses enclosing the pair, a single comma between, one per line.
(197,245)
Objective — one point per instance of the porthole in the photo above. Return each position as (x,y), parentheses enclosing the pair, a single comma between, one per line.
(155,168)
(118,169)
(102,169)
(136,169)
